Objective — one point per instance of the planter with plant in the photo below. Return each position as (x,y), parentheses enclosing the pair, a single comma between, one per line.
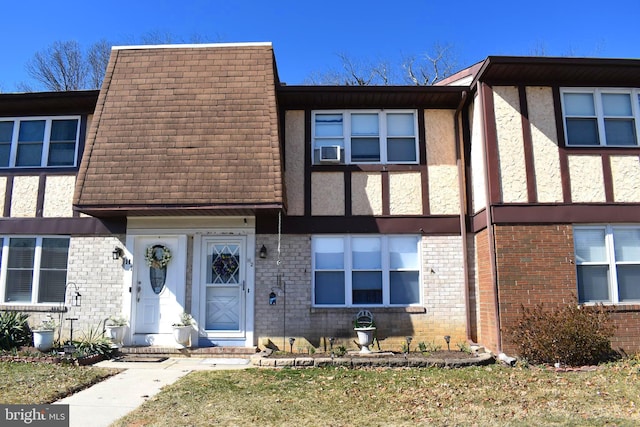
(115,329)
(366,329)
(43,335)
(182,330)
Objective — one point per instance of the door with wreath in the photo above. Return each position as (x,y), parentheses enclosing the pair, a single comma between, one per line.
(158,294)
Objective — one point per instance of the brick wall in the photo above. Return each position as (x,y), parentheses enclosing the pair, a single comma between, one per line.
(443,312)
(534,265)
(484,293)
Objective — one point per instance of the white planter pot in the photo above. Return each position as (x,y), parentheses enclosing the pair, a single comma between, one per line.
(116,334)
(182,335)
(365,338)
(43,339)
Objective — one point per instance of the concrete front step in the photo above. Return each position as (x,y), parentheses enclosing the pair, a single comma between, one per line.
(207,352)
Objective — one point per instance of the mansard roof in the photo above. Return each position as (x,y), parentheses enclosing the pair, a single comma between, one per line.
(188,129)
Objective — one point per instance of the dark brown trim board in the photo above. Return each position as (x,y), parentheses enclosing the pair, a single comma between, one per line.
(491,145)
(359,224)
(565,214)
(63,226)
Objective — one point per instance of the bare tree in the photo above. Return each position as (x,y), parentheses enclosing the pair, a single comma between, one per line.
(425,69)
(59,67)
(432,68)
(97,61)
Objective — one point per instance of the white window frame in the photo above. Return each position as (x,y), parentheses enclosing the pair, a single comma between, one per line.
(37,262)
(348,270)
(45,143)
(382,134)
(610,262)
(597,93)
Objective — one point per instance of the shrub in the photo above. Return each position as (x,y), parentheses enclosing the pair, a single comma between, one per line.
(572,334)
(14,330)
(93,342)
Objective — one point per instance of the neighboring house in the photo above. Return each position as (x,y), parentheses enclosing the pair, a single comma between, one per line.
(287,209)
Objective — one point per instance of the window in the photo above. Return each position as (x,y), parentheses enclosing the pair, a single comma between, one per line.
(39,142)
(365,136)
(608,263)
(601,117)
(366,270)
(34,269)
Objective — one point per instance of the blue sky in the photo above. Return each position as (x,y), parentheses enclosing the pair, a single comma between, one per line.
(307,36)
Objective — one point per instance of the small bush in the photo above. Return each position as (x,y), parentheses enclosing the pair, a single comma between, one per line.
(572,335)
(14,330)
(93,342)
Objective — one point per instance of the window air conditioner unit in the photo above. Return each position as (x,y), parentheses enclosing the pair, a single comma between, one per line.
(330,154)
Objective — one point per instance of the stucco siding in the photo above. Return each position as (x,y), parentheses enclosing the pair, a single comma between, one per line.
(587,181)
(24,197)
(444,190)
(366,191)
(513,177)
(625,171)
(546,159)
(479,198)
(58,196)
(327,190)
(440,136)
(405,193)
(294,166)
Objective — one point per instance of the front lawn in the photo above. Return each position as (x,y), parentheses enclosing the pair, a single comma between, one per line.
(493,395)
(40,383)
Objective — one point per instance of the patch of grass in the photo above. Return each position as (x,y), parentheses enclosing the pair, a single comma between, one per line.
(40,383)
(492,395)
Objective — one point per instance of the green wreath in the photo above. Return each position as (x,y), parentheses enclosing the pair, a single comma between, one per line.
(153,260)
(225,265)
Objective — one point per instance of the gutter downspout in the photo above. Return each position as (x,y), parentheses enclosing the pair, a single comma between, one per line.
(490,235)
(462,194)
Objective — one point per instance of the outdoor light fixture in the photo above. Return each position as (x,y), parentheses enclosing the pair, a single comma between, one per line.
(447,338)
(263,251)
(77,296)
(291,341)
(117,253)
(331,341)
(408,339)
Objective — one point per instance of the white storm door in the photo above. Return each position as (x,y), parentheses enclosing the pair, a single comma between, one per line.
(158,303)
(223,302)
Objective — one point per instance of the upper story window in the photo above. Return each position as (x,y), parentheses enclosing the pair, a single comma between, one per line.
(601,117)
(366,270)
(608,263)
(365,136)
(34,269)
(39,142)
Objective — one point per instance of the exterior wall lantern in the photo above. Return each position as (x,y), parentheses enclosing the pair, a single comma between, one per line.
(263,252)
(119,253)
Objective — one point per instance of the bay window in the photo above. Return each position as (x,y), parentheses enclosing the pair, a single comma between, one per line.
(608,263)
(601,117)
(366,270)
(365,136)
(34,269)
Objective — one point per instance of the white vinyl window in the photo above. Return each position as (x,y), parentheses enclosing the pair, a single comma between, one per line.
(366,270)
(365,136)
(39,142)
(601,117)
(608,263)
(34,269)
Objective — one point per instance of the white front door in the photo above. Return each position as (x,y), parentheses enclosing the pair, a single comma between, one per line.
(158,293)
(223,298)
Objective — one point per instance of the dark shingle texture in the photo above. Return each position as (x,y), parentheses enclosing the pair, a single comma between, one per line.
(190,126)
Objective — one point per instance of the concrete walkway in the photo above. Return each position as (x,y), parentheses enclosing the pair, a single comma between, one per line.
(110,400)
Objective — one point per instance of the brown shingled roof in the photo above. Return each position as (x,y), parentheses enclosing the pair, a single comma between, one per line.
(184,130)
